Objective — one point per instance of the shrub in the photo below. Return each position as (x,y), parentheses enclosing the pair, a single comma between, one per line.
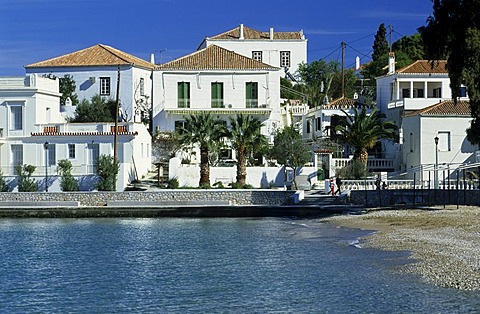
(107,170)
(3,184)
(25,182)
(173,183)
(356,170)
(67,182)
(219,185)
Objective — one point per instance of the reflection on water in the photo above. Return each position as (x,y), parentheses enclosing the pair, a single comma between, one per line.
(206,265)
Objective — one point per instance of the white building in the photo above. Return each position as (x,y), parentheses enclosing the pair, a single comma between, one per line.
(446,121)
(418,99)
(280,49)
(30,118)
(95,71)
(220,82)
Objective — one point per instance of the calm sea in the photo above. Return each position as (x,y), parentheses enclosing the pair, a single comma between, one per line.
(206,266)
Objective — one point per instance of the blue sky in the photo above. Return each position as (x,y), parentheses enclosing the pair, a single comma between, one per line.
(35,30)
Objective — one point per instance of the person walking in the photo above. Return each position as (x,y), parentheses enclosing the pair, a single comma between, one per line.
(338,181)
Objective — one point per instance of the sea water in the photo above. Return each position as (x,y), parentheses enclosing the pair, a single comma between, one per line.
(207,266)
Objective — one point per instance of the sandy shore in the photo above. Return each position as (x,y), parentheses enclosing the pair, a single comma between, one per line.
(445,243)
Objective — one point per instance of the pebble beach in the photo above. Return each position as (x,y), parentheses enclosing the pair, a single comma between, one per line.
(444,242)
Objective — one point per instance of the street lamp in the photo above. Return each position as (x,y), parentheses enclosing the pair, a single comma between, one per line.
(436,162)
(45,146)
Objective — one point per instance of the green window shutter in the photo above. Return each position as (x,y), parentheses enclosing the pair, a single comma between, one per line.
(217,95)
(183,93)
(251,94)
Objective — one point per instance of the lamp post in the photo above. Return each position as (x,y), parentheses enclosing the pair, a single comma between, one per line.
(45,146)
(436,162)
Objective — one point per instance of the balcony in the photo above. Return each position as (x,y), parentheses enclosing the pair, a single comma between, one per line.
(373,164)
(225,109)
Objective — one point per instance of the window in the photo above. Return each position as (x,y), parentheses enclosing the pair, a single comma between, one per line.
(251,96)
(217,95)
(17,155)
(71,151)
(463,91)
(51,154)
(17,117)
(179,126)
(285,59)
(406,93)
(257,55)
(142,87)
(308,126)
(418,93)
(183,95)
(437,92)
(444,144)
(318,123)
(104,86)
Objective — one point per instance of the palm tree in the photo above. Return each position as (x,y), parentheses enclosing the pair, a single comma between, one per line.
(202,130)
(362,131)
(245,137)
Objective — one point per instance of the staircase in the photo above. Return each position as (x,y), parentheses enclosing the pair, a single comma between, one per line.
(336,204)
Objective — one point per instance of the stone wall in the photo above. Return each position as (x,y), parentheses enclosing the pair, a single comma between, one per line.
(423,197)
(182,197)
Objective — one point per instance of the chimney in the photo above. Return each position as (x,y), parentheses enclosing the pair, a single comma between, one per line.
(152,58)
(357,63)
(271,33)
(391,63)
(241,32)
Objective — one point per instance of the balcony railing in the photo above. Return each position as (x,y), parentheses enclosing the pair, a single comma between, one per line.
(251,103)
(373,164)
(184,103)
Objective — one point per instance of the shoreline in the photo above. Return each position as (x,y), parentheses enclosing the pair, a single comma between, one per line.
(444,243)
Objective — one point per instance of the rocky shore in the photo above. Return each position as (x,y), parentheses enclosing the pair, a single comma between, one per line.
(445,243)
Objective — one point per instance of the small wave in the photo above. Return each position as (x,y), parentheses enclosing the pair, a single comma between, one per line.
(355,243)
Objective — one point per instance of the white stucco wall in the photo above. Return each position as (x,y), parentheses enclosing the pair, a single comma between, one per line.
(87,80)
(419,145)
(200,95)
(270,50)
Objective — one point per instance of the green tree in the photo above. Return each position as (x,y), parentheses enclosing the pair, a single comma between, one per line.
(453,31)
(411,46)
(95,110)
(3,184)
(362,130)
(289,150)
(379,56)
(67,89)
(245,137)
(67,182)
(107,170)
(202,130)
(25,181)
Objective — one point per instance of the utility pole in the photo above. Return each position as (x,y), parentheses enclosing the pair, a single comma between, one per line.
(343,69)
(390,28)
(115,132)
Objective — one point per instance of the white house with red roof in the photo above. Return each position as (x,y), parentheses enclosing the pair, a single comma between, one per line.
(445,121)
(418,99)
(33,131)
(96,71)
(281,49)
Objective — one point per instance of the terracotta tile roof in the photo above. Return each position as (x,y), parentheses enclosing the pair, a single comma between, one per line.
(444,108)
(250,34)
(215,58)
(98,55)
(343,103)
(425,66)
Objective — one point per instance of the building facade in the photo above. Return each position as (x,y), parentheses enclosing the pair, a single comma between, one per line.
(33,132)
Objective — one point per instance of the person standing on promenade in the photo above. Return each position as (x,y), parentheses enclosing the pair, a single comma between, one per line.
(338,181)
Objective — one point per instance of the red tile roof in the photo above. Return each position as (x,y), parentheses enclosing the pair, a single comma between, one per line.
(444,108)
(252,34)
(343,103)
(215,58)
(425,66)
(98,55)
